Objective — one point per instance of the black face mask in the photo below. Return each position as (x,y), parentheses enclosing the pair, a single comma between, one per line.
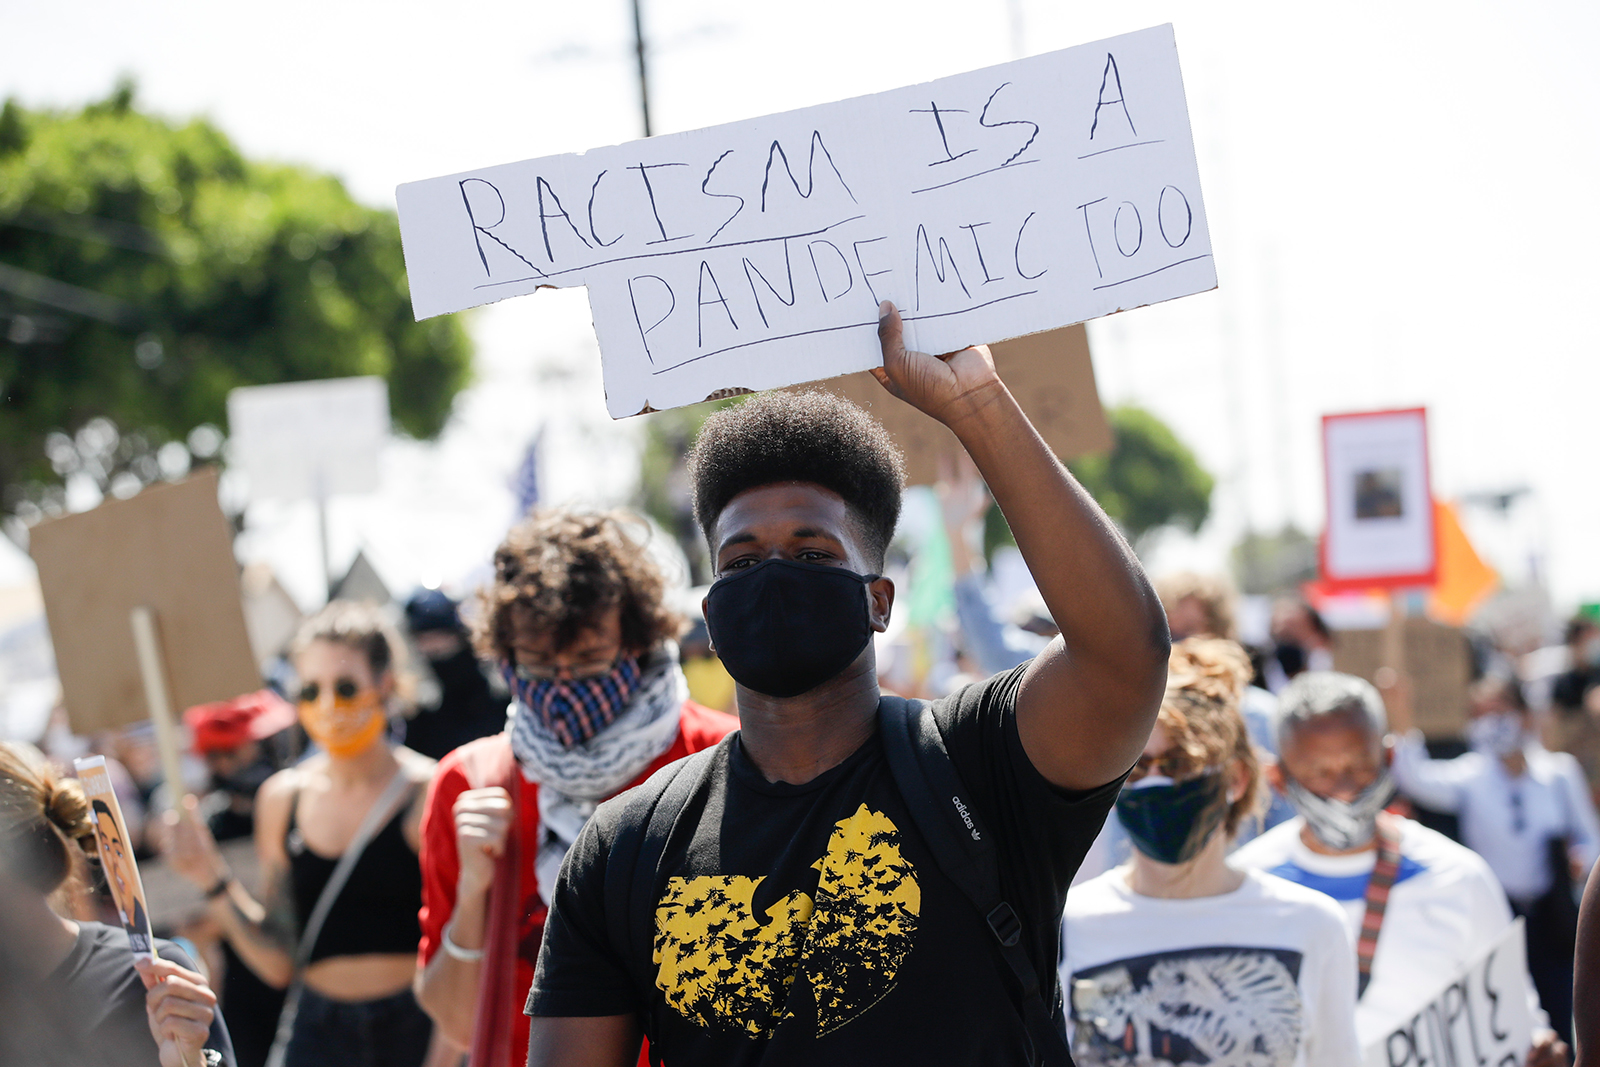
(1172,822)
(458,674)
(1292,658)
(782,627)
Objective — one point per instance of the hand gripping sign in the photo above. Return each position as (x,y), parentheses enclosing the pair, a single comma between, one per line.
(987,205)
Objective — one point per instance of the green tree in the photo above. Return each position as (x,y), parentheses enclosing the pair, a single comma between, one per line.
(664,492)
(1266,563)
(1149,479)
(147,268)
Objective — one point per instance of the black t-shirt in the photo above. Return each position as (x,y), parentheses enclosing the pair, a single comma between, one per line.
(108,998)
(810,924)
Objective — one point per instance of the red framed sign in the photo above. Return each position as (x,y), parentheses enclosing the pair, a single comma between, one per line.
(1380,531)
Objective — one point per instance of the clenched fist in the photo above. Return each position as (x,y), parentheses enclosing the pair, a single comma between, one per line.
(483,818)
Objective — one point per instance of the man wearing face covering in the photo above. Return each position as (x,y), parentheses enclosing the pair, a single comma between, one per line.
(585,640)
(467,708)
(1443,905)
(795,913)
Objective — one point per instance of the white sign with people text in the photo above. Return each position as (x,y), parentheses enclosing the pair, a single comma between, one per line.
(1480,1018)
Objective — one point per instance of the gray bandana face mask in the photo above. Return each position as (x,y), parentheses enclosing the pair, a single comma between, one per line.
(1343,825)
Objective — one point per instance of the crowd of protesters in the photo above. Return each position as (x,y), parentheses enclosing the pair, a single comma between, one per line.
(1252,839)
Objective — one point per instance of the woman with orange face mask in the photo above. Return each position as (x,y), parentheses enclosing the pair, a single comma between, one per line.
(355,1005)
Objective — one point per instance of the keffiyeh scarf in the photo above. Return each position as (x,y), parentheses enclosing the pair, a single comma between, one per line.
(574,779)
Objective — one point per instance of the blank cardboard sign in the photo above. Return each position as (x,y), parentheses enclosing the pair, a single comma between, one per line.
(1049,373)
(1436,659)
(169,549)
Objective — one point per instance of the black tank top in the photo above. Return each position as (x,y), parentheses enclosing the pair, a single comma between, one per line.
(376,912)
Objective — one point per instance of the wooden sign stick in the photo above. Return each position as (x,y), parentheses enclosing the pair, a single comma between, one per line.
(1392,679)
(153,670)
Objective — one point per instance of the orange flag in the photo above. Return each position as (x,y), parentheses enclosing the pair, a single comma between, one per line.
(1465,580)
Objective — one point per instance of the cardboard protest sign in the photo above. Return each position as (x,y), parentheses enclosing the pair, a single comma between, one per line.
(987,205)
(1051,376)
(309,439)
(168,549)
(1434,657)
(271,616)
(116,854)
(1479,1017)
(1380,531)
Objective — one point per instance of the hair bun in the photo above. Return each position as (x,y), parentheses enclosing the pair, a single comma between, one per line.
(68,808)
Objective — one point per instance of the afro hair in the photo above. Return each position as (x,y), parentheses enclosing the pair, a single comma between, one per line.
(809,436)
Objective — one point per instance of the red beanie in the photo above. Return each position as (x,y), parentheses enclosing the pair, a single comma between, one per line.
(230,723)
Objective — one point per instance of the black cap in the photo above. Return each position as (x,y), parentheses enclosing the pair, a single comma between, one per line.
(431,610)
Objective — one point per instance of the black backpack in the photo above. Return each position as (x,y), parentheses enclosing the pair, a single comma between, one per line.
(936,798)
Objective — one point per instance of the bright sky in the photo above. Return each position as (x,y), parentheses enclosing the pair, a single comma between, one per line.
(1401,197)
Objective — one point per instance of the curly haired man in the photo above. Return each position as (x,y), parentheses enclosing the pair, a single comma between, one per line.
(576,621)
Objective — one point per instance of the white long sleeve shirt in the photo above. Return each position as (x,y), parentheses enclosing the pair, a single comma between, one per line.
(1445,909)
(1508,821)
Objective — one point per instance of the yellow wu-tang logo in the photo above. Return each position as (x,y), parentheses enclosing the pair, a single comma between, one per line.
(723,966)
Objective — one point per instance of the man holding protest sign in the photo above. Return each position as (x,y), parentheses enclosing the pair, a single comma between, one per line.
(800,908)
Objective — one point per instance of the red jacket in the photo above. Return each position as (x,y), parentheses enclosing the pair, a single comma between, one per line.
(466,768)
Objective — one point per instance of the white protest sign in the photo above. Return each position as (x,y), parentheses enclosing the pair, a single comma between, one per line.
(987,205)
(309,439)
(1380,504)
(1480,1018)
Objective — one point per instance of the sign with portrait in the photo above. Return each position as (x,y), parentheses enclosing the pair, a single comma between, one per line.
(115,850)
(1380,529)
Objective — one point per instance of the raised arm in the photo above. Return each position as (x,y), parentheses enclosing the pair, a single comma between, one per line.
(447,988)
(1088,701)
(263,932)
(1433,783)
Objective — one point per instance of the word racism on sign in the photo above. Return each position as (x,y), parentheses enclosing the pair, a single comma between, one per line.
(1480,1018)
(987,205)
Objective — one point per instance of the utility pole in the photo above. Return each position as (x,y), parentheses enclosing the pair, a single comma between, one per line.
(644,78)
(1018,48)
